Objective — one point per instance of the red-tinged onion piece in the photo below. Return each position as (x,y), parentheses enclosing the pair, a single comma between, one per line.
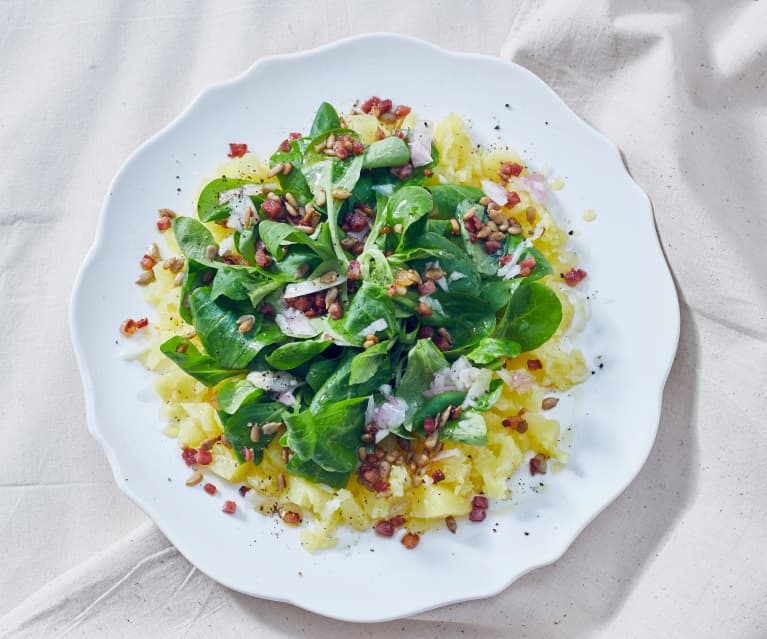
(420,144)
(519,380)
(495,192)
(391,413)
(535,184)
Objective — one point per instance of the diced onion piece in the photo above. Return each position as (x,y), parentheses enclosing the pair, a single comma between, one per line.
(297,289)
(456,275)
(285,397)
(420,144)
(278,381)
(391,413)
(517,380)
(374,327)
(495,192)
(536,185)
(294,323)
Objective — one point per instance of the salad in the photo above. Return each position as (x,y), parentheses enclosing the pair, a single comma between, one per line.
(369,329)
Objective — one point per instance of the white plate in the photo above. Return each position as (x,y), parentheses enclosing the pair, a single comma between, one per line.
(635,327)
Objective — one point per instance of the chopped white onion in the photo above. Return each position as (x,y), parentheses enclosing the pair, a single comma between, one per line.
(372,328)
(370,411)
(456,275)
(135,348)
(297,289)
(294,323)
(478,387)
(433,304)
(444,454)
(384,189)
(239,192)
(440,384)
(420,143)
(495,192)
(285,397)
(381,435)
(391,413)
(277,381)
(535,184)
(518,380)
(227,244)
(442,283)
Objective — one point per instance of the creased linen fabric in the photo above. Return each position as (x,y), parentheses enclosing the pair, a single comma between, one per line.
(680,87)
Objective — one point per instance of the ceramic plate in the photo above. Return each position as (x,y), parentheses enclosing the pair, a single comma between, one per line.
(614,416)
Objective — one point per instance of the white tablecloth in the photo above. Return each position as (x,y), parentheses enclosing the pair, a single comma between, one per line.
(682,88)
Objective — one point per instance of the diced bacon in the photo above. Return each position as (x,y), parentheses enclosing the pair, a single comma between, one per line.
(272,208)
(229,507)
(427,288)
(526,266)
(294,136)
(402,110)
(237,150)
(210,489)
(512,199)
(574,276)
(285,146)
(371,102)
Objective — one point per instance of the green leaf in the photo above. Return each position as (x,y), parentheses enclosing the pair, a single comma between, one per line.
(325,120)
(469,429)
(485,263)
(209,209)
(218,331)
(365,364)
(293,354)
(327,173)
(436,404)
(391,151)
(241,284)
(199,365)
(542,266)
(319,371)
(531,317)
(369,304)
(294,182)
(498,291)
(468,319)
(447,197)
(316,473)
(424,361)
(491,348)
(195,276)
(488,400)
(337,386)
(238,425)
(329,437)
(278,234)
(193,239)
(234,394)
(452,259)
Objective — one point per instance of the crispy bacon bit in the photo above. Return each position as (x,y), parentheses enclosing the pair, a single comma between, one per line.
(480,501)
(263,259)
(285,146)
(510,168)
(423,308)
(204,457)
(398,521)
(410,540)
(210,488)
(142,323)
(538,465)
(163,223)
(505,259)
(384,528)
(491,246)
(437,476)
(371,102)
(148,262)
(516,422)
(354,271)
(272,208)
(427,288)
(534,365)
(442,343)
(402,110)
(130,326)
(426,332)
(400,134)
(247,453)
(340,150)
(294,136)
(526,266)
(477,514)
(355,221)
(358,148)
(574,276)
(189,455)
(243,490)
(402,172)
(237,150)
(512,199)
(385,106)
(229,507)
(266,309)
(291,518)
(428,172)
(429,426)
